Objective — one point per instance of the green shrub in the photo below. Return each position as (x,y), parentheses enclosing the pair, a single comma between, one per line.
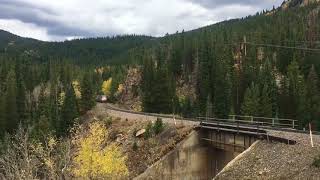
(154,129)
(158,126)
(316,162)
(108,121)
(149,130)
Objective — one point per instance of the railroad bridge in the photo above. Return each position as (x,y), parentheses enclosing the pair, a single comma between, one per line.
(215,143)
(237,135)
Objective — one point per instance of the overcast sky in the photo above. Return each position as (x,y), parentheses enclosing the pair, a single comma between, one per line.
(56,20)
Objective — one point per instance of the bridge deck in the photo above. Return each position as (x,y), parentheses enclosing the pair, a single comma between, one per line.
(246,130)
(236,125)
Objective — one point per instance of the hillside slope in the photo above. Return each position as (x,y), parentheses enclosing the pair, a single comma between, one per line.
(262,65)
(230,66)
(80,51)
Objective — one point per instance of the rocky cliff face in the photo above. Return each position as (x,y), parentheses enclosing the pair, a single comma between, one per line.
(130,97)
(297,3)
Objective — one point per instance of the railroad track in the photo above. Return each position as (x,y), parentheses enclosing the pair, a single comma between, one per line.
(222,122)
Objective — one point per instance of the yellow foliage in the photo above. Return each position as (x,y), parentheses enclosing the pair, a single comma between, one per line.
(94,159)
(44,151)
(76,87)
(120,88)
(137,108)
(99,70)
(106,87)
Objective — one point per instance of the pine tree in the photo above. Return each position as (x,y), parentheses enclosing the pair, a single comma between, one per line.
(176,57)
(301,101)
(148,78)
(21,101)
(2,116)
(222,90)
(204,80)
(87,93)
(265,105)
(313,98)
(42,108)
(21,94)
(250,106)
(269,90)
(54,111)
(70,111)
(162,92)
(11,113)
(297,93)
(158,87)
(187,107)
(209,107)
(42,120)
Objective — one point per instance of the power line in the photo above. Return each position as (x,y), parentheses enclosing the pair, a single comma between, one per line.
(269,45)
(285,47)
(315,42)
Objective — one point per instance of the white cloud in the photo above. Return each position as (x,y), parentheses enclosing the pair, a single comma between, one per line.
(24,29)
(30,30)
(56,20)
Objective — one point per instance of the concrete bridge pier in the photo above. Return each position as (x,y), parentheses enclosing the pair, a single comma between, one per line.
(228,141)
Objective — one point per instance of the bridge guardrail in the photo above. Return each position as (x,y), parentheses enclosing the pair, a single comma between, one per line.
(286,123)
(274,122)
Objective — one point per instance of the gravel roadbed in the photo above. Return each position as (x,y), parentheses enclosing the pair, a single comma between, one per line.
(270,160)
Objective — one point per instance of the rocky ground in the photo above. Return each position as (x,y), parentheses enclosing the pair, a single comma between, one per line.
(277,160)
(141,152)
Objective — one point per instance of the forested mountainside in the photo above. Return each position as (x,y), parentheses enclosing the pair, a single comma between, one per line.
(267,64)
(90,51)
(262,65)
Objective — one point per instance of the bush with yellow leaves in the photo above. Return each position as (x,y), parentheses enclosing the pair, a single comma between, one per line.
(106,87)
(26,158)
(94,159)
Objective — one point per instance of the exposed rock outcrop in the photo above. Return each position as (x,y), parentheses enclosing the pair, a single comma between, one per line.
(130,96)
(297,3)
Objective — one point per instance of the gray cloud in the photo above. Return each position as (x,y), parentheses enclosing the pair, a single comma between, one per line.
(28,13)
(219,3)
(82,18)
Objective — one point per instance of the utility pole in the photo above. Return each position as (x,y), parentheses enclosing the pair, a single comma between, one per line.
(311,139)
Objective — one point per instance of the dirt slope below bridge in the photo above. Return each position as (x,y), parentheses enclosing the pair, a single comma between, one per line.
(276,160)
(264,160)
(141,152)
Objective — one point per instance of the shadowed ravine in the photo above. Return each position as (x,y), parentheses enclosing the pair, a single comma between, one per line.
(192,159)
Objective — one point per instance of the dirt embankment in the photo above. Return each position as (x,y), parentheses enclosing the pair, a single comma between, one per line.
(141,152)
(277,160)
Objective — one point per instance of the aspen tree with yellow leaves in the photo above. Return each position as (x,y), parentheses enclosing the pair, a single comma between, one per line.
(94,159)
(106,87)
